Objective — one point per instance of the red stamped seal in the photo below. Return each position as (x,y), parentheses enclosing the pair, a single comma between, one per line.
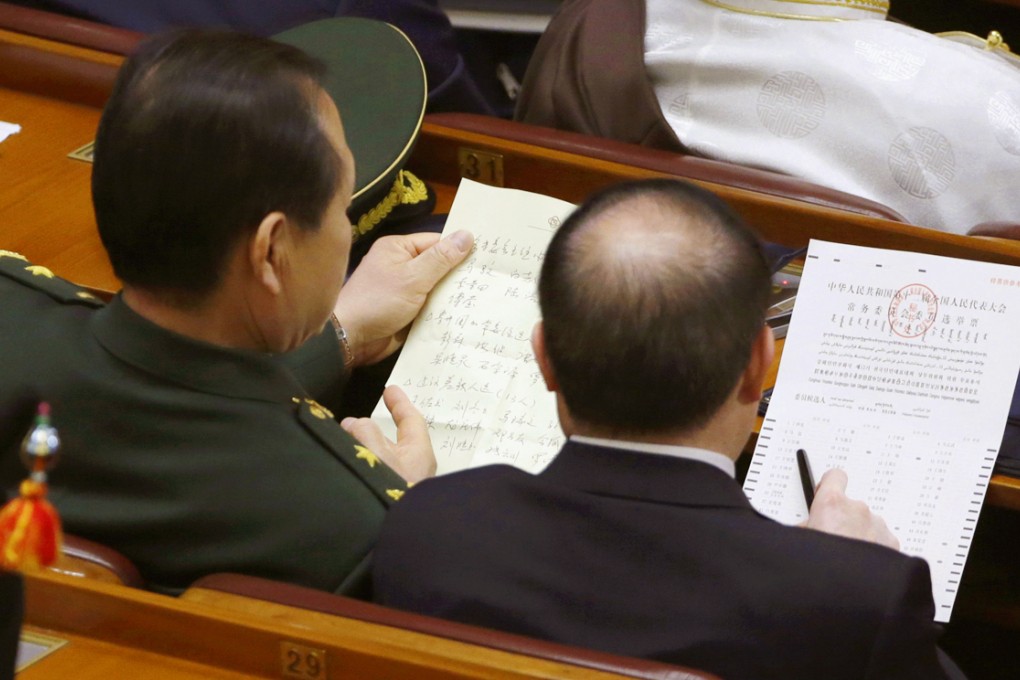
(913,310)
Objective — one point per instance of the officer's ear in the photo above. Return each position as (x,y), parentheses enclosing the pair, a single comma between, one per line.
(544,365)
(267,251)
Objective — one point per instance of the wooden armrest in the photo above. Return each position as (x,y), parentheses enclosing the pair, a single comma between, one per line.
(41,72)
(1010,230)
(88,559)
(52,55)
(338,605)
(693,167)
(70,30)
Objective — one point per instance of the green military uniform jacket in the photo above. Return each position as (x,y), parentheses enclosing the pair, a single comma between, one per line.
(187,457)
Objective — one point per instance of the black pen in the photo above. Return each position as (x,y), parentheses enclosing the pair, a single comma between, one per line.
(807,479)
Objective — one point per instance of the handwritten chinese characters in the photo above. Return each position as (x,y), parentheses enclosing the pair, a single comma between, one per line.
(468,364)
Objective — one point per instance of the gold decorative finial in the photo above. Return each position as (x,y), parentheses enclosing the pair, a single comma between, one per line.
(994,41)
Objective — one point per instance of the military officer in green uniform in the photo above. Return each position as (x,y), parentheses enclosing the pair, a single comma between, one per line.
(194,440)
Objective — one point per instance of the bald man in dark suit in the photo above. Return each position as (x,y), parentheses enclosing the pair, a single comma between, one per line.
(636,539)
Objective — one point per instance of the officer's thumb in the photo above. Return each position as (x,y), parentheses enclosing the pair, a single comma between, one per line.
(446,254)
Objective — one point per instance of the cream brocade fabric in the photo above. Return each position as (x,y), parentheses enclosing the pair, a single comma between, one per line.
(832,93)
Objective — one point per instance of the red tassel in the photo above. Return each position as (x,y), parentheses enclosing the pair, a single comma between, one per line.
(30,533)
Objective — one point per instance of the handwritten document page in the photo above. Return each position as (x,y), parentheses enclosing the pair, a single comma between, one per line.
(467,364)
(898,368)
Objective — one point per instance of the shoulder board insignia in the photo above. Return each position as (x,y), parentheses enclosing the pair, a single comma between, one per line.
(39,270)
(366,455)
(318,410)
(386,484)
(14,266)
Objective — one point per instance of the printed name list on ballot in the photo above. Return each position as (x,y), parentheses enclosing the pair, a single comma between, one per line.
(898,368)
(467,364)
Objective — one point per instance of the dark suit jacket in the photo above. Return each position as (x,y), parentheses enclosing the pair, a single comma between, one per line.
(655,557)
(187,457)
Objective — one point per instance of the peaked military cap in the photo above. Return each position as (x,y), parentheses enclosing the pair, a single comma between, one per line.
(377,80)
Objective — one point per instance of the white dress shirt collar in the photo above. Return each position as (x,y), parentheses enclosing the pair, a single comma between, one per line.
(703,455)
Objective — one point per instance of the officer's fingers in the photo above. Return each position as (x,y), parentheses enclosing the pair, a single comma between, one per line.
(436,262)
(413,440)
(412,428)
(408,419)
(368,433)
(416,243)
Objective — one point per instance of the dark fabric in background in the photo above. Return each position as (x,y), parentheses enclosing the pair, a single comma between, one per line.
(451,86)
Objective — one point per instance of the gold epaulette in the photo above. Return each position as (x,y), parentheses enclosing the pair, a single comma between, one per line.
(377,475)
(17,267)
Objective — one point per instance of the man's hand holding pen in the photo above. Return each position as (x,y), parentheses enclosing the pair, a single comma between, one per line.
(835,513)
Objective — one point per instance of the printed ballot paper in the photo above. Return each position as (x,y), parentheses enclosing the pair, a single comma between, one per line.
(898,368)
(467,364)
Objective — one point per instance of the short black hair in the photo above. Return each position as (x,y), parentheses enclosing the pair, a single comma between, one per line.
(652,294)
(207,132)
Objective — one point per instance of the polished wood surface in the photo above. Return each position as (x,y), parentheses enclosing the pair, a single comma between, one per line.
(85,658)
(42,44)
(118,632)
(258,596)
(331,625)
(45,201)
